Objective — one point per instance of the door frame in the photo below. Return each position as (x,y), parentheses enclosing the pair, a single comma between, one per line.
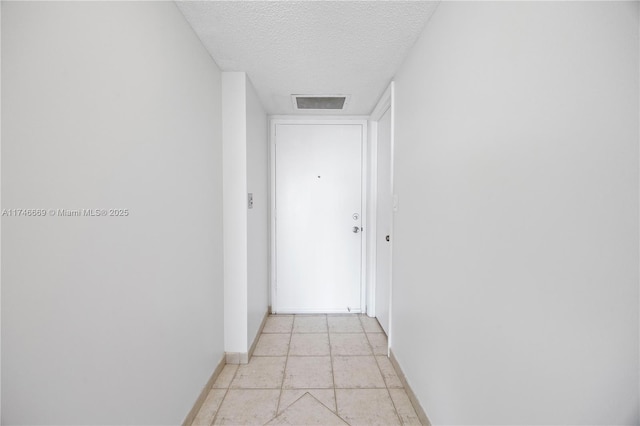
(385,103)
(274,121)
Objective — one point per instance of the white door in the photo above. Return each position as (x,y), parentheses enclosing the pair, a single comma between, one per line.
(383,218)
(318,217)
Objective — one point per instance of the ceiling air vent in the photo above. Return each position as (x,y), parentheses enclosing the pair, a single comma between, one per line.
(319,102)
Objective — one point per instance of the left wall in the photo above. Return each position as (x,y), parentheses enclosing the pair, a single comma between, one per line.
(109,320)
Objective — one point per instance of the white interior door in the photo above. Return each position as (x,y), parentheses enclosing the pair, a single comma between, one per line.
(318,217)
(383,221)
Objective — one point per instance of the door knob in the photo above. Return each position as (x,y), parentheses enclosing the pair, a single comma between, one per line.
(356,229)
(387,238)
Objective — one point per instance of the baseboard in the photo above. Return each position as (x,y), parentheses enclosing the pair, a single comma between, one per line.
(244,357)
(255,339)
(422,415)
(203,394)
(237,357)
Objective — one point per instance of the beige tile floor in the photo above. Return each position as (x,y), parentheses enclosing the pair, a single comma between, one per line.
(312,370)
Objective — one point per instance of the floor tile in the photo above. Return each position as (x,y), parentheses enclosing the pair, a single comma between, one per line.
(357,372)
(209,407)
(370,324)
(225,377)
(272,345)
(309,344)
(261,372)
(344,324)
(310,324)
(308,372)
(307,411)
(278,324)
(350,344)
(248,407)
(368,407)
(388,372)
(296,364)
(325,396)
(404,408)
(378,343)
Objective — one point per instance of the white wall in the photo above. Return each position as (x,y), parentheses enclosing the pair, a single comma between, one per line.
(234,137)
(115,320)
(245,231)
(257,218)
(0,219)
(516,238)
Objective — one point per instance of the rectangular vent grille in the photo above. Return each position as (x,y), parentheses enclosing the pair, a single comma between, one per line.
(314,102)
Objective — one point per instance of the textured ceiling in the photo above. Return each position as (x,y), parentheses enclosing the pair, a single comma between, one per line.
(310,47)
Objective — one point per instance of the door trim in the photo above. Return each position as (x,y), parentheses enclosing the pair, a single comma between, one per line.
(385,103)
(274,121)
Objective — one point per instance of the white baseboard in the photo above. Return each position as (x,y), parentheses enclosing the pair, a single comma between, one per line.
(255,339)
(422,415)
(244,357)
(203,394)
(236,357)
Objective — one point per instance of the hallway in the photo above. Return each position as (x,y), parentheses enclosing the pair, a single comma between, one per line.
(312,369)
(173,172)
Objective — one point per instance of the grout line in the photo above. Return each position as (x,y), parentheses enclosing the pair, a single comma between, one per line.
(395,409)
(277,356)
(284,372)
(226,392)
(389,392)
(333,375)
(320,402)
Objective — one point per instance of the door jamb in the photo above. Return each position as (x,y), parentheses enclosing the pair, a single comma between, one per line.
(309,120)
(385,103)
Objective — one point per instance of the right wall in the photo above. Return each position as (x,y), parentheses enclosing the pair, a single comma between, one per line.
(516,259)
